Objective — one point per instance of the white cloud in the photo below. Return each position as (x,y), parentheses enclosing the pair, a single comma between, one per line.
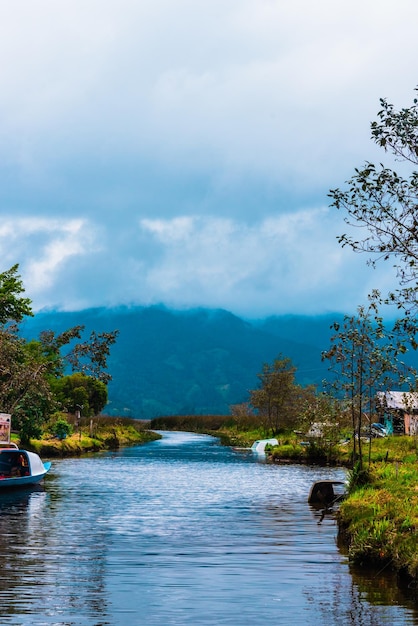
(289,262)
(283,264)
(210,124)
(253,86)
(42,248)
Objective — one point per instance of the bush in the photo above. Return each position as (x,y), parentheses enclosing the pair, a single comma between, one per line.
(62,428)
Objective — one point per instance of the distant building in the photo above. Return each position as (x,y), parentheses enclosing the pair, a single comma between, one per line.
(398,411)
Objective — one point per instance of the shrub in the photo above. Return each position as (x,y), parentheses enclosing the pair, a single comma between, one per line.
(62,428)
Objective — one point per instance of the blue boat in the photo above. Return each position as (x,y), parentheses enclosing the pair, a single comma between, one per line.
(20,468)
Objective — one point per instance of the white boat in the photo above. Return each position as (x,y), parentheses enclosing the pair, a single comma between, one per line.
(259,446)
(20,468)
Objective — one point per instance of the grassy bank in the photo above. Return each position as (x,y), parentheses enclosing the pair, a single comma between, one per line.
(378,521)
(103,433)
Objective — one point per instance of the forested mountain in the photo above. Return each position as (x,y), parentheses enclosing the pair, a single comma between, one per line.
(196,361)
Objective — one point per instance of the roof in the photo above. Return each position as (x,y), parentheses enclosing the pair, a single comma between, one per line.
(405,400)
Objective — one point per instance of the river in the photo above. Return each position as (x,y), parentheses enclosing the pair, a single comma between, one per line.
(181,531)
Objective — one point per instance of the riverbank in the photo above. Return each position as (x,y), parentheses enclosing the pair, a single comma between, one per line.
(378,522)
(101,434)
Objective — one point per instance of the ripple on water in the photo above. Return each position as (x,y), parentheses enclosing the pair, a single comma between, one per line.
(179,531)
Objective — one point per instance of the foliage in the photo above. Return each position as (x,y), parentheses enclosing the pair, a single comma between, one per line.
(88,357)
(13,307)
(382,204)
(31,371)
(24,389)
(244,416)
(62,428)
(323,415)
(275,398)
(364,355)
(79,390)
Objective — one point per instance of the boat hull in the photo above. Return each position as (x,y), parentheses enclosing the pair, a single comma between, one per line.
(20,468)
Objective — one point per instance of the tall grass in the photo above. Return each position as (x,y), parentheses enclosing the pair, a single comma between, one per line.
(380,519)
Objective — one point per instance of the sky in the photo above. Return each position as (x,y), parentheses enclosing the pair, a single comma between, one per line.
(181,151)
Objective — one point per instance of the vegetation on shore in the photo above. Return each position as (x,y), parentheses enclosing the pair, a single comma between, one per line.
(378,522)
(100,433)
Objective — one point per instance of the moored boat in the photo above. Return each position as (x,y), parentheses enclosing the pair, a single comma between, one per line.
(20,468)
(322,492)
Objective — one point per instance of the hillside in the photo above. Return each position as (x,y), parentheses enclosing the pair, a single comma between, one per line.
(197,361)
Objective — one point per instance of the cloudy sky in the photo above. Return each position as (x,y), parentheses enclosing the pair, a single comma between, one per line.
(181,151)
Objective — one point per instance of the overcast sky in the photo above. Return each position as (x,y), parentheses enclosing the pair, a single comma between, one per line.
(181,151)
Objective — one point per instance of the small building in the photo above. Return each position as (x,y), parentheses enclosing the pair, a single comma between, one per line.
(398,411)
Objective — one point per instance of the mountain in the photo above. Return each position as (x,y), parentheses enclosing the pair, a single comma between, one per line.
(197,361)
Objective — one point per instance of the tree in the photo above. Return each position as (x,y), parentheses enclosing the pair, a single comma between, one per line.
(29,369)
(78,390)
(322,412)
(383,205)
(243,415)
(24,389)
(364,357)
(13,307)
(275,397)
(89,357)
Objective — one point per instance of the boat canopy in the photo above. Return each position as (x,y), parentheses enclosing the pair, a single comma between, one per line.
(36,465)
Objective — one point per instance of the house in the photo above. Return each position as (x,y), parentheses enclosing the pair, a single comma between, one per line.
(398,411)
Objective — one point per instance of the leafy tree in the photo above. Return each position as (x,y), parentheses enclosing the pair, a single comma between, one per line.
(31,370)
(382,204)
(275,397)
(89,357)
(79,390)
(244,416)
(364,356)
(322,411)
(24,390)
(13,307)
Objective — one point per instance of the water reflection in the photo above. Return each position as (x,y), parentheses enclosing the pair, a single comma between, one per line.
(46,560)
(382,587)
(180,531)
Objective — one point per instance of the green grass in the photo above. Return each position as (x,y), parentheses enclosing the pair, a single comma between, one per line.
(105,433)
(380,519)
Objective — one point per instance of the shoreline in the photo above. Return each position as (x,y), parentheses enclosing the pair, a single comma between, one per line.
(77,445)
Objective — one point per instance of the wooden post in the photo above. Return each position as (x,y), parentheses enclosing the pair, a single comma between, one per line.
(78,418)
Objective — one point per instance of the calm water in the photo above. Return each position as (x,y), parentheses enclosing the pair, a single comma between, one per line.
(181,531)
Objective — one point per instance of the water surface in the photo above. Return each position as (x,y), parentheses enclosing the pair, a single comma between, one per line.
(181,531)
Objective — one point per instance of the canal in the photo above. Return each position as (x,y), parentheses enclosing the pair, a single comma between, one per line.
(182,531)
